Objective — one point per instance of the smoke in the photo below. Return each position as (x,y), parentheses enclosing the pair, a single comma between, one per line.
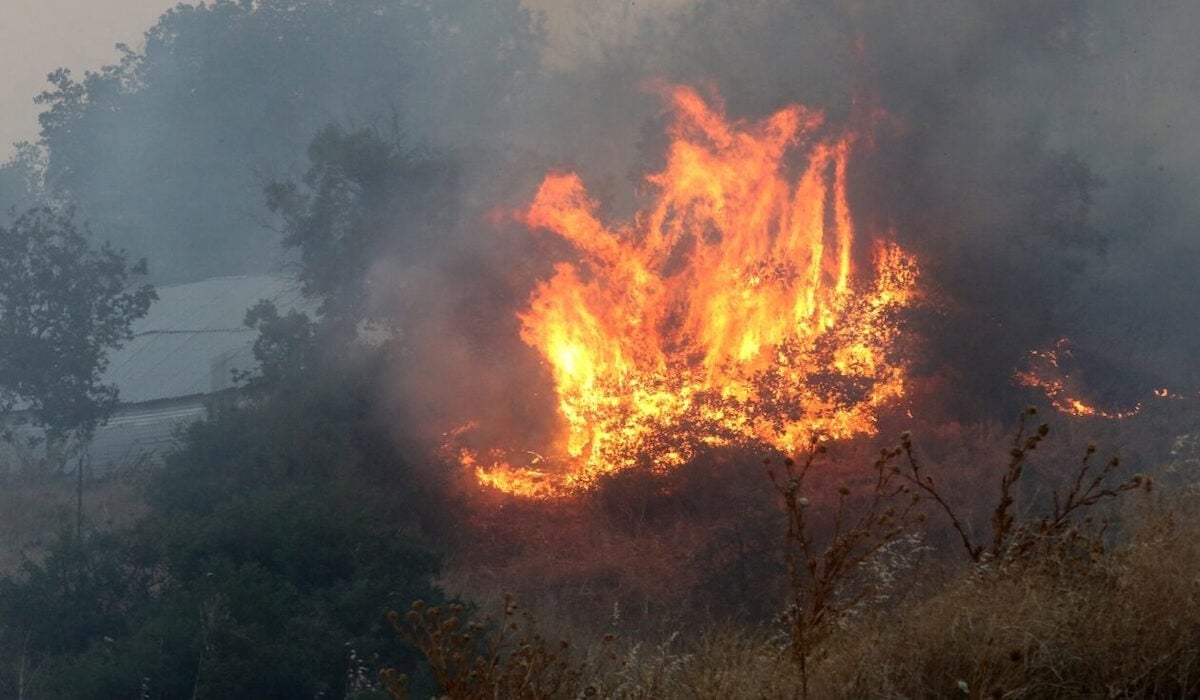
(1128,115)
(166,153)
(1035,155)
(1038,158)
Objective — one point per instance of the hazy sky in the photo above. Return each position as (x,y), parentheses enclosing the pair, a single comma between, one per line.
(37,36)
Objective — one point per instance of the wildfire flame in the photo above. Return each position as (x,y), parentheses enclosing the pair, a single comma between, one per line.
(727,312)
(1046,374)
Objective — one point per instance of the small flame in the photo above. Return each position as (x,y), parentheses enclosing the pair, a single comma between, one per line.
(1046,374)
(727,312)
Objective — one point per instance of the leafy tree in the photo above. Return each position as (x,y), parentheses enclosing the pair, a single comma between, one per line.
(227,90)
(21,179)
(81,590)
(308,430)
(278,536)
(364,194)
(265,597)
(63,306)
(285,348)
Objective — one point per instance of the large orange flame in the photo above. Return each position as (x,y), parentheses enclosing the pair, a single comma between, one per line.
(728,312)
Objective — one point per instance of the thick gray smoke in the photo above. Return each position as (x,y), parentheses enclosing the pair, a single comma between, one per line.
(1037,156)
(166,154)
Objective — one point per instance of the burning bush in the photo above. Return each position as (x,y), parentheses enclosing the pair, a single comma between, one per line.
(731,311)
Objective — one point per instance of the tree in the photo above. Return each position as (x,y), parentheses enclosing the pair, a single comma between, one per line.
(278,594)
(365,194)
(285,348)
(63,306)
(21,178)
(224,91)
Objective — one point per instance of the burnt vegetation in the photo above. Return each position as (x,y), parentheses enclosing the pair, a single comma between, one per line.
(312,537)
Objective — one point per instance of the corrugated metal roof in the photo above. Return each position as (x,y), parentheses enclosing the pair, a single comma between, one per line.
(139,436)
(193,337)
(187,345)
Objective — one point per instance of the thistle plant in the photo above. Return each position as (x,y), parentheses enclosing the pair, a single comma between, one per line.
(1012,539)
(825,575)
(486,658)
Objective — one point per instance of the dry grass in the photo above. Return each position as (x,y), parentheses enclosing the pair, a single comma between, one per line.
(1065,623)
(1048,603)
(32,510)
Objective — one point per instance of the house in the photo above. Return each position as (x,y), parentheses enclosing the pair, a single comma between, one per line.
(184,351)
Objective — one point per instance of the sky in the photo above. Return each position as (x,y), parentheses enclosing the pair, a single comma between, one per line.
(38,36)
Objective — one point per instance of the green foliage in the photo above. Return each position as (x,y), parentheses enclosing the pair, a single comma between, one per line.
(79,592)
(260,599)
(285,348)
(63,306)
(312,430)
(364,194)
(264,569)
(283,528)
(20,179)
